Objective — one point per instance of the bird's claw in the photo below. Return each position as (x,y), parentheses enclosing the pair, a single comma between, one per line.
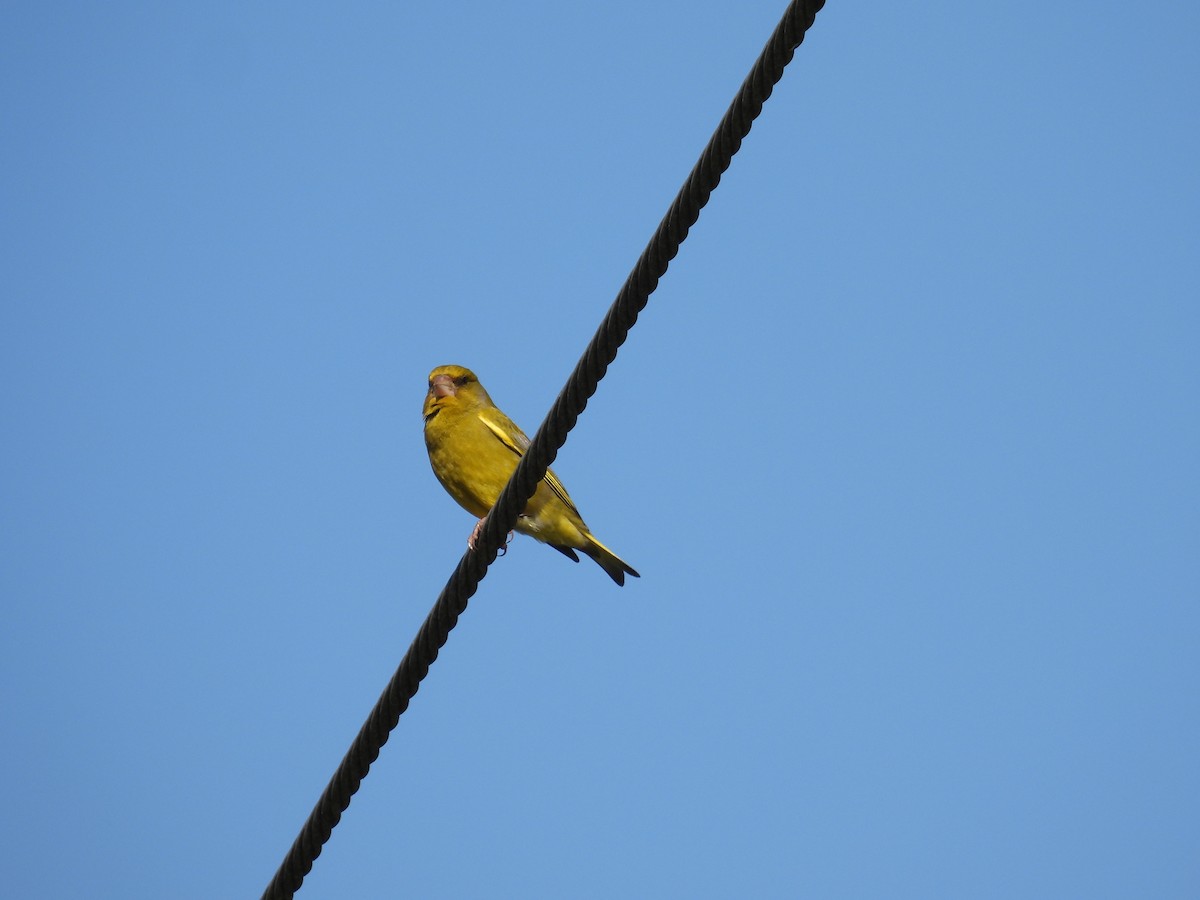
(475,536)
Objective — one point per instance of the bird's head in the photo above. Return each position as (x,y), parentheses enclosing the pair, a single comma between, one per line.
(453,387)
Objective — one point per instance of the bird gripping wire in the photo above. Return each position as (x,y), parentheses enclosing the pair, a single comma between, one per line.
(550,437)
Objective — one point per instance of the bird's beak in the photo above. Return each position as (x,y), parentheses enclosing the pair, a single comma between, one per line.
(443,386)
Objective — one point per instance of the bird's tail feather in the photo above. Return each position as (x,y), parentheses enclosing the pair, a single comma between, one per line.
(616,567)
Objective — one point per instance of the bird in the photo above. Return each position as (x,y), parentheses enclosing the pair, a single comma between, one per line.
(474,448)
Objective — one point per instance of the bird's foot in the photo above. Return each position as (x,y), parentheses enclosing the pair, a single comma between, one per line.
(475,536)
(475,533)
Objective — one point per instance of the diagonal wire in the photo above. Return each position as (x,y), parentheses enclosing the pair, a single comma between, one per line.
(550,437)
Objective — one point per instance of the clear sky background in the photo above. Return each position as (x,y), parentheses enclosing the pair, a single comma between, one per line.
(905,448)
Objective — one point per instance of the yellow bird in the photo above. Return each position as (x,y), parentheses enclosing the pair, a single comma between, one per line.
(474,448)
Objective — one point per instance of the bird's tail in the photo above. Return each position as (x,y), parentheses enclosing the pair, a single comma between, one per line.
(616,567)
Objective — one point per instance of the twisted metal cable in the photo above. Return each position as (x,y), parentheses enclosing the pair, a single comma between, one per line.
(550,437)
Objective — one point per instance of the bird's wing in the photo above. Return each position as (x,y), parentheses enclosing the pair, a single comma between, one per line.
(515,440)
(505,429)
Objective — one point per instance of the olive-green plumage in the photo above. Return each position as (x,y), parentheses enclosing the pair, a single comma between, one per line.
(474,448)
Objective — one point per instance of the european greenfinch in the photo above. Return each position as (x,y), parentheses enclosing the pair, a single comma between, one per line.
(474,448)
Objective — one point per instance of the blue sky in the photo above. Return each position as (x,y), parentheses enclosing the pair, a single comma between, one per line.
(905,448)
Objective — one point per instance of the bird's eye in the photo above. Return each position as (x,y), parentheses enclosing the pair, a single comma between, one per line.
(461,380)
